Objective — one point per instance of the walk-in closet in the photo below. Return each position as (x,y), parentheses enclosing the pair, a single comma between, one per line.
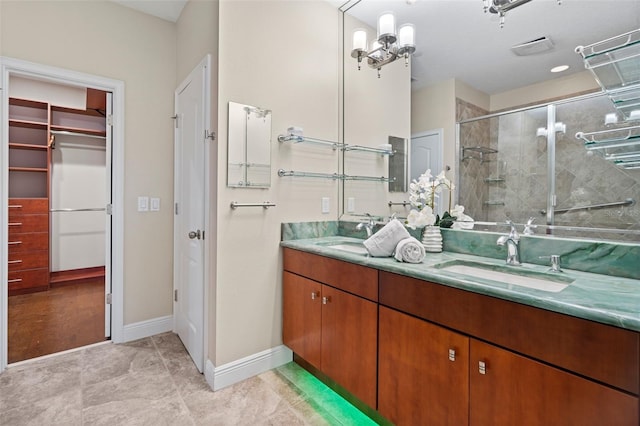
(59,223)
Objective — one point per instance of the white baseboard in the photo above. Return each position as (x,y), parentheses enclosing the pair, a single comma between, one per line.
(244,368)
(139,330)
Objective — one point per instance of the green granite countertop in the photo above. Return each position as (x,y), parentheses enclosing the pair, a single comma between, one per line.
(605,299)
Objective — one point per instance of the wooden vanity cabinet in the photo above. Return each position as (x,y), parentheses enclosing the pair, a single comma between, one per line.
(509,389)
(330,321)
(526,366)
(423,372)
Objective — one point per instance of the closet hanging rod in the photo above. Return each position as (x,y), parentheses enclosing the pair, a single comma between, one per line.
(67,133)
(78,210)
(265,204)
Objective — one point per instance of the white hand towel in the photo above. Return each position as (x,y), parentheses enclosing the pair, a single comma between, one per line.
(384,242)
(410,250)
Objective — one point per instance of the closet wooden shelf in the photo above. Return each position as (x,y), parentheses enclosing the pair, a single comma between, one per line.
(27,146)
(29,169)
(27,123)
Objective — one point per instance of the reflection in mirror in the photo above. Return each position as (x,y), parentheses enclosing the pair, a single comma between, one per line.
(377,112)
(249,147)
(398,165)
(466,66)
(511,169)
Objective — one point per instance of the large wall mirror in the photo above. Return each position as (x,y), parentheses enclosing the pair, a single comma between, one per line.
(467,66)
(249,147)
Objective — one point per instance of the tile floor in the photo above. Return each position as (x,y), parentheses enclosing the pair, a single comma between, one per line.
(153,381)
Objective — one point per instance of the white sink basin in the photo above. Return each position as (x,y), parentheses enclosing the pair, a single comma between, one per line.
(356,248)
(522,278)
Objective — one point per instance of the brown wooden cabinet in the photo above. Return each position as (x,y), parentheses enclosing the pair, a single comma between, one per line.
(302,318)
(28,245)
(509,389)
(423,372)
(447,356)
(334,330)
(526,381)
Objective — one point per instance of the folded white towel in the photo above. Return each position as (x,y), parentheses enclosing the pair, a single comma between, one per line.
(410,250)
(384,242)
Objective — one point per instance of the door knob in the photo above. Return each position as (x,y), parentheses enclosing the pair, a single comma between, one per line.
(194,234)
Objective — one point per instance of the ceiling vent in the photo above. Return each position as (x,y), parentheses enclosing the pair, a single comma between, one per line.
(533,47)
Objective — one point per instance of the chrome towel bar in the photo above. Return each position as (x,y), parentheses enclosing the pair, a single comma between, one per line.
(265,204)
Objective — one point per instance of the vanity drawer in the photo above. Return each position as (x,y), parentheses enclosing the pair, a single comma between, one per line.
(34,278)
(21,243)
(346,276)
(28,260)
(20,206)
(602,352)
(28,223)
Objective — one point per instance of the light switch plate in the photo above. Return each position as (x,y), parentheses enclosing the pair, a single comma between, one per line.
(351,205)
(143,204)
(325,205)
(155,204)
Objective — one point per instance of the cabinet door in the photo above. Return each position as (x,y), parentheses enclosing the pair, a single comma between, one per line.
(349,340)
(423,374)
(301,317)
(513,389)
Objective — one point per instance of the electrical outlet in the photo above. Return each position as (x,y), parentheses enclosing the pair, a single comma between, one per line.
(351,205)
(155,204)
(325,205)
(143,204)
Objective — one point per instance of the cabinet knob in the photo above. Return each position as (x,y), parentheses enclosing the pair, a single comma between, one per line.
(452,354)
(482,367)
(314,294)
(326,299)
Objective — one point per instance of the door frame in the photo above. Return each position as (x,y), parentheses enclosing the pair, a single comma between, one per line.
(206,64)
(12,66)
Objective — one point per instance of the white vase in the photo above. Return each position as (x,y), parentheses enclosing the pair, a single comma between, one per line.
(432,239)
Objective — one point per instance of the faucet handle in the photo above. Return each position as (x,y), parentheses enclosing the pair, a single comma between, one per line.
(555,262)
(513,234)
(529,226)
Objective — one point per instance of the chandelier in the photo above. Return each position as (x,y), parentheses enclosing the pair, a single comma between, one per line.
(501,7)
(389,45)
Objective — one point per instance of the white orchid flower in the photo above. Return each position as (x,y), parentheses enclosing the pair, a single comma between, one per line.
(457,211)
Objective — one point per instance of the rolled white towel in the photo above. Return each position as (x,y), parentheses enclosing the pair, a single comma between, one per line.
(384,242)
(410,250)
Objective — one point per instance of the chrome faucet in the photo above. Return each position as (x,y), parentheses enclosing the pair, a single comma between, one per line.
(368,225)
(511,240)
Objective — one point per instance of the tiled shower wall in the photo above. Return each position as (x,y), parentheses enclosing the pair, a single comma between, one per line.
(471,188)
(582,179)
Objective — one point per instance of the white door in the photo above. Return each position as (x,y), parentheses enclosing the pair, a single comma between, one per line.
(426,153)
(107,228)
(189,233)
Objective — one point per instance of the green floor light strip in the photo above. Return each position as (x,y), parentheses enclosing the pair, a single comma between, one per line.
(334,409)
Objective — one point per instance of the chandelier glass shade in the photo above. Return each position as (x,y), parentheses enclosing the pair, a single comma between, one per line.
(388,46)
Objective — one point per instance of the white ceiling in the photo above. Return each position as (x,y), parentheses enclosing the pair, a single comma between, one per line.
(455,39)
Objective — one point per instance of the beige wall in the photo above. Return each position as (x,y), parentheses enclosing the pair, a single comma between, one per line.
(551,89)
(282,56)
(434,107)
(106,39)
(197,36)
